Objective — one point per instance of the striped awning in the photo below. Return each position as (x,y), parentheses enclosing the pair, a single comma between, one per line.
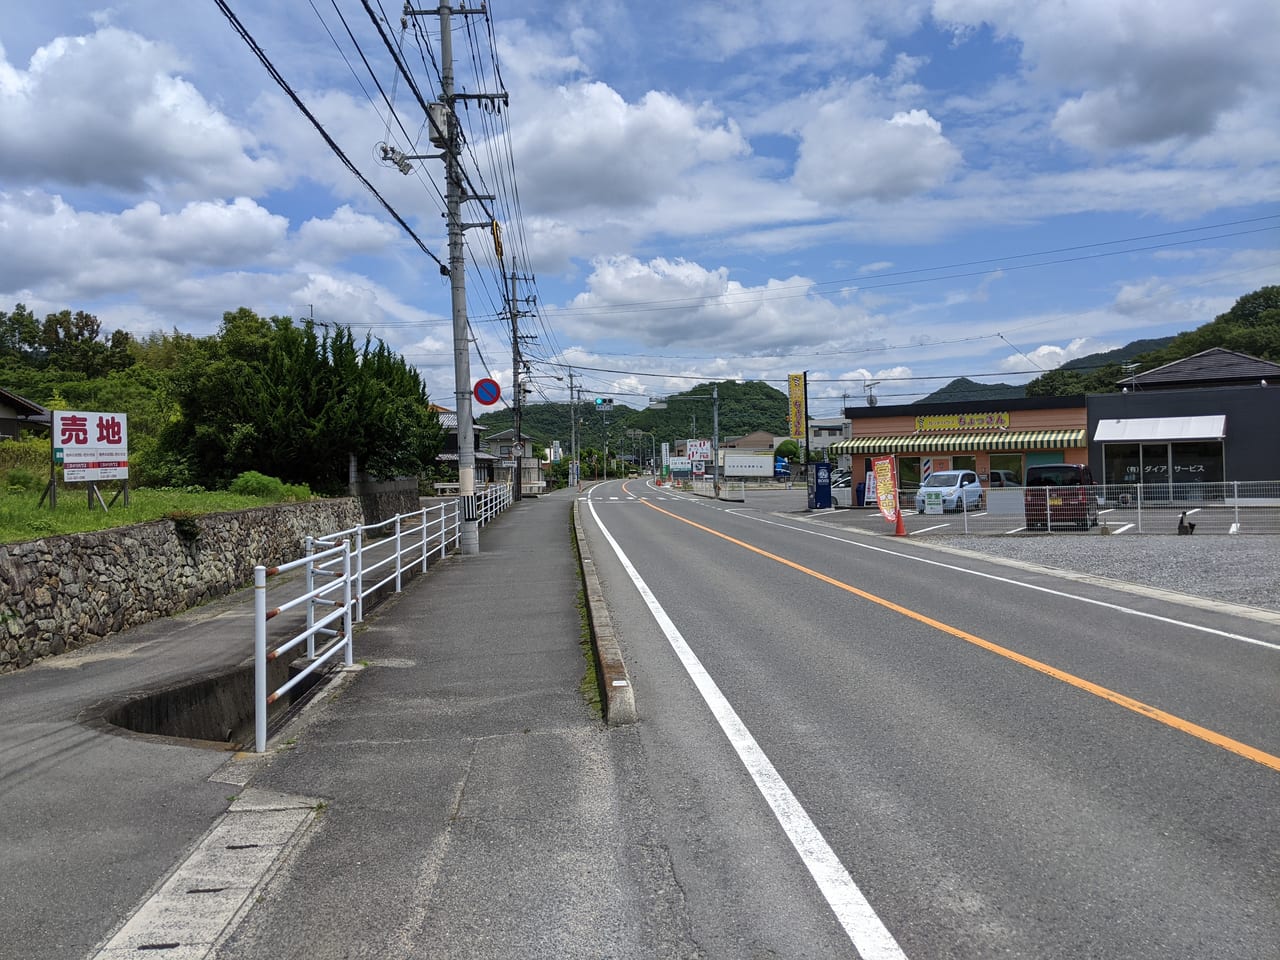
(937,442)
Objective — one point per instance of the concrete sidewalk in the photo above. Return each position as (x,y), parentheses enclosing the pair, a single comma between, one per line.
(456,796)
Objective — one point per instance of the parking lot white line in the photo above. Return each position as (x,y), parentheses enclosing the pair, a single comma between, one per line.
(936,526)
(863,926)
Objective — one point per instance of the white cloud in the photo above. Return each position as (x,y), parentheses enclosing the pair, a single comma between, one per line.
(110,110)
(847,154)
(1136,73)
(602,151)
(678,303)
(344,234)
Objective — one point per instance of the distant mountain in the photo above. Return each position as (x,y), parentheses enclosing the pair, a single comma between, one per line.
(963,389)
(744,408)
(1119,355)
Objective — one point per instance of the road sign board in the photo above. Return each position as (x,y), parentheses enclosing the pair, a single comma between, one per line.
(487,391)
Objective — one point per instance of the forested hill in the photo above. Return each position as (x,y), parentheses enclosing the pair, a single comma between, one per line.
(1251,326)
(744,408)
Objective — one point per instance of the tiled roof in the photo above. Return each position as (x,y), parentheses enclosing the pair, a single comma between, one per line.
(1216,365)
(24,407)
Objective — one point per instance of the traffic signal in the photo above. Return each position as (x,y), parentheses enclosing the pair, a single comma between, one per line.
(604,403)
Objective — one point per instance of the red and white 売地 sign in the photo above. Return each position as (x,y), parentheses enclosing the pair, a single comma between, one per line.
(91,446)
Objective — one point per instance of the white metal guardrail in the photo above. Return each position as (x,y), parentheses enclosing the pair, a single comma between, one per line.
(387,549)
(1237,507)
(336,640)
(491,500)
(340,571)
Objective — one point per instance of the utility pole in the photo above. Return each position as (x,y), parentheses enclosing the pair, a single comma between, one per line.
(715,440)
(450,140)
(517,445)
(575,468)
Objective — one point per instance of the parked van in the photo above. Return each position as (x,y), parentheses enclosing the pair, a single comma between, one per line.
(1059,495)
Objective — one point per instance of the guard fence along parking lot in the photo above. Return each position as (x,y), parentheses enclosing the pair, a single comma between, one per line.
(1199,509)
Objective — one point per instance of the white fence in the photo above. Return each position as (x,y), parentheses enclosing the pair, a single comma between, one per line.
(340,571)
(1239,507)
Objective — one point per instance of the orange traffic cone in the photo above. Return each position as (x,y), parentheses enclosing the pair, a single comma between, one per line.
(901,529)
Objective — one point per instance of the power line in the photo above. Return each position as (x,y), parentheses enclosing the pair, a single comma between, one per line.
(778,293)
(284,85)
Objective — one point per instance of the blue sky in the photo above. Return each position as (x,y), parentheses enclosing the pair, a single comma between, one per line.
(890,192)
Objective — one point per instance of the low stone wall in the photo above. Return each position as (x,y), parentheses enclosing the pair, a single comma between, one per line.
(60,593)
(383,499)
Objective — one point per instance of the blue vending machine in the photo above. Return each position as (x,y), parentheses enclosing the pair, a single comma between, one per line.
(820,486)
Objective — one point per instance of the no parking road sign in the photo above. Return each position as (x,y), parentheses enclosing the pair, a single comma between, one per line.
(487,391)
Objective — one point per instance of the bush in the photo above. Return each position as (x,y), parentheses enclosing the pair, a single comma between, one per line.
(297,492)
(30,453)
(20,479)
(152,466)
(254,484)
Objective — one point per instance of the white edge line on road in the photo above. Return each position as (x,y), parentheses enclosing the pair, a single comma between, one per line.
(869,935)
(1029,586)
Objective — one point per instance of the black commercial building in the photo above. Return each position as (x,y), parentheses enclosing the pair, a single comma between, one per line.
(1209,418)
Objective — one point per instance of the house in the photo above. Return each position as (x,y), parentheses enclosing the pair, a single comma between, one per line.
(823,432)
(759,441)
(448,456)
(18,414)
(502,447)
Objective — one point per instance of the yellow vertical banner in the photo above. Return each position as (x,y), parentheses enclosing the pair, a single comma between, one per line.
(796,405)
(886,471)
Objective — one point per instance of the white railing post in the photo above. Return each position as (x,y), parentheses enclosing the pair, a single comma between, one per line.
(310,580)
(399,555)
(260,659)
(347,630)
(359,574)
(424,539)
(1235,495)
(1141,486)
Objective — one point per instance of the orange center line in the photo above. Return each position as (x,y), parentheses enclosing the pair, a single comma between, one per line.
(1137,706)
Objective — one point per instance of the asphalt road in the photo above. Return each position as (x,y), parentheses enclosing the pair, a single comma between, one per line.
(956,758)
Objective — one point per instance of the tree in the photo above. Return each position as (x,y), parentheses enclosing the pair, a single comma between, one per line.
(788,449)
(1251,326)
(19,334)
(272,396)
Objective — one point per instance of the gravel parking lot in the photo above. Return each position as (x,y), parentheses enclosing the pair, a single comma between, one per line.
(1235,569)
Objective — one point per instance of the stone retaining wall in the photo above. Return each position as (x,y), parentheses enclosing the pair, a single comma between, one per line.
(383,499)
(60,593)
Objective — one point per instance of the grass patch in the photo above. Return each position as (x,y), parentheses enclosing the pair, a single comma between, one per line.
(22,517)
(590,683)
(589,686)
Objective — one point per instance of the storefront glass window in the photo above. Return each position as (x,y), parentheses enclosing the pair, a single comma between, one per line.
(1121,463)
(962,461)
(1011,462)
(908,472)
(1155,463)
(1197,462)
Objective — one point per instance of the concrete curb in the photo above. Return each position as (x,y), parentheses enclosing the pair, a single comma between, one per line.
(616,692)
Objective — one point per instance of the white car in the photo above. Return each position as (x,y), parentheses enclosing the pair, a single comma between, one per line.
(843,492)
(949,490)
